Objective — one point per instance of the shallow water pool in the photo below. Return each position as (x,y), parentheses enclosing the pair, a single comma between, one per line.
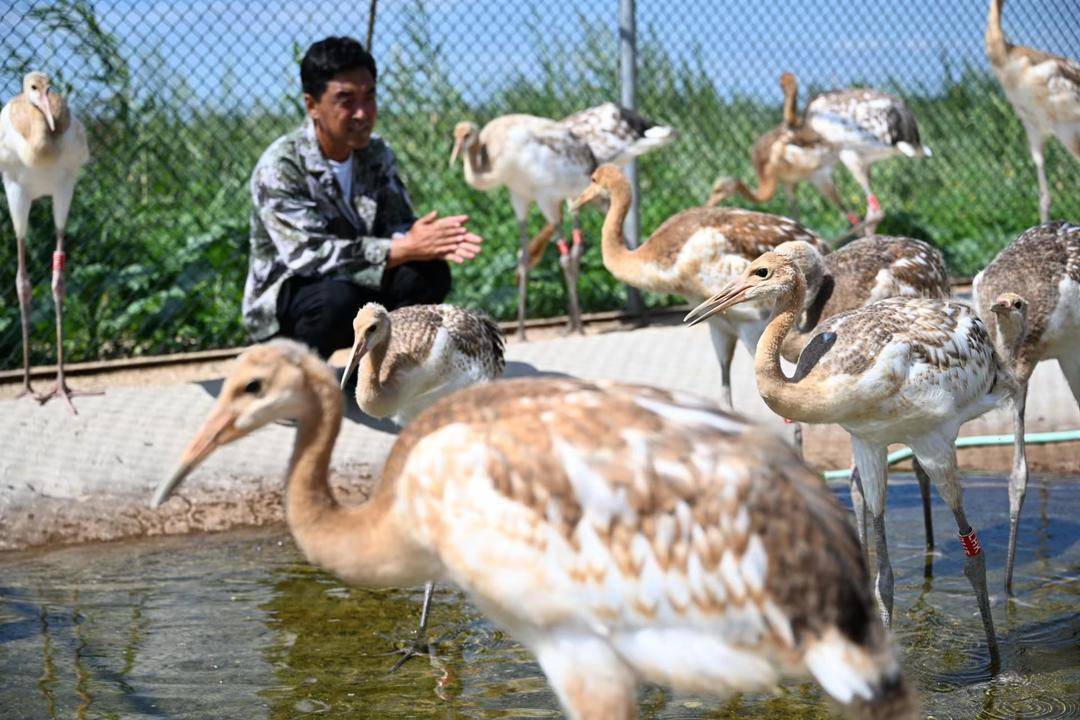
(237,625)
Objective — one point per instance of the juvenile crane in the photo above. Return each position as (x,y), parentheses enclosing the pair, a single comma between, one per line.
(865,271)
(693,253)
(865,126)
(615,135)
(42,148)
(1043,89)
(786,155)
(621,533)
(409,358)
(1040,271)
(538,160)
(909,370)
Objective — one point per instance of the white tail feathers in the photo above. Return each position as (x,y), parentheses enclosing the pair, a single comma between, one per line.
(655,137)
(866,680)
(913,151)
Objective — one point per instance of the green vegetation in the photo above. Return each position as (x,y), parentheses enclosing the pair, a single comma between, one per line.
(158,232)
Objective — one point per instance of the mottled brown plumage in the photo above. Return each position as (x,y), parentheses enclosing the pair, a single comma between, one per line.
(538,160)
(694,253)
(616,134)
(865,271)
(908,370)
(786,155)
(411,357)
(1043,89)
(865,126)
(673,543)
(1041,270)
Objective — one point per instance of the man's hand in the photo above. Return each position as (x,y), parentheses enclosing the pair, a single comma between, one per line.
(435,238)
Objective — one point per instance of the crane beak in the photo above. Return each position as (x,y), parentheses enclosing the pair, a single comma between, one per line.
(359,349)
(591,193)
(733,294)
(41,102)
(455,151)
(219,429)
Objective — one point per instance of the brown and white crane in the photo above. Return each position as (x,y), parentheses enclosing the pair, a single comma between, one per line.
(622,534)
(692,254)
(42,148)
(538,160)
(1029,298)
(407,359)
(909,370)
(1043,89)
(862,272)
(786,155)
(865,126)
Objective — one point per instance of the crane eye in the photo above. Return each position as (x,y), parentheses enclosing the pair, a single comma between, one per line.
(1016,304)
(762,272)
(254,387)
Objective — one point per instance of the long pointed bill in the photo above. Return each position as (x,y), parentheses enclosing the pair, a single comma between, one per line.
(585,198)
(733,294)
(359,348)
(217,431)
(41,102)
(455,151)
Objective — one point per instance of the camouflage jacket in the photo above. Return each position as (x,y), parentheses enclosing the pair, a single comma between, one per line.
(301,225)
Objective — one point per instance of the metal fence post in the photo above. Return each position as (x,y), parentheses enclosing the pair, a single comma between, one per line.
(627,87)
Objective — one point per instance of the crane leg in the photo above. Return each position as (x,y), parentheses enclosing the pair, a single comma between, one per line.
(419,647)
(1018,480)
(61,389)
(523,278)
(25,291)
(937,455)
(570,262)
(19,207)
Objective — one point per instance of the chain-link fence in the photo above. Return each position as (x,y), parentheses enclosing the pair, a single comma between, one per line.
(179,99)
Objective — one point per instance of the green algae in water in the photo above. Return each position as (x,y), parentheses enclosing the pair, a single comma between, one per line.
(239,626)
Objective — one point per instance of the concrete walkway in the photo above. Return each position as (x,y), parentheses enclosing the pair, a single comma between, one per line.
(90,477)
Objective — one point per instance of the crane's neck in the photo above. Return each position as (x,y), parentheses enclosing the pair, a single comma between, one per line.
(619,259)
(791,107)
(308,500)
(364,545)
(996,47)
(784,396)
(42,144)
(766,187)
(478,167)
(370,387)
(1008,338)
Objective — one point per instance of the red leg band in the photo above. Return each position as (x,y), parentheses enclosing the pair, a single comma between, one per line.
(971,544)
(577,236)
(564,249)
(788,421)
(873,204)
(59,259)
(853,218)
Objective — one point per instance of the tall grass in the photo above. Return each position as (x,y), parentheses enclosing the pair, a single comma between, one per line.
(158,232)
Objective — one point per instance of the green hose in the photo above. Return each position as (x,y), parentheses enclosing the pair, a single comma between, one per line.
(1042,438)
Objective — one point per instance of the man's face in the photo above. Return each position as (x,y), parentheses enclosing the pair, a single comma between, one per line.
(346,110)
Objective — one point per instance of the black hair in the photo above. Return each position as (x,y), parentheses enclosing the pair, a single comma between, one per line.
(330,57)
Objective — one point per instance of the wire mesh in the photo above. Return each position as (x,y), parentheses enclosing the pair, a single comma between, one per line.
(179,100)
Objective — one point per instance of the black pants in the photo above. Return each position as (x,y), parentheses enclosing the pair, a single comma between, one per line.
(319,311)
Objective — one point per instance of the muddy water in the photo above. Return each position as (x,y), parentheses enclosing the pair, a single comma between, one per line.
(239,626)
